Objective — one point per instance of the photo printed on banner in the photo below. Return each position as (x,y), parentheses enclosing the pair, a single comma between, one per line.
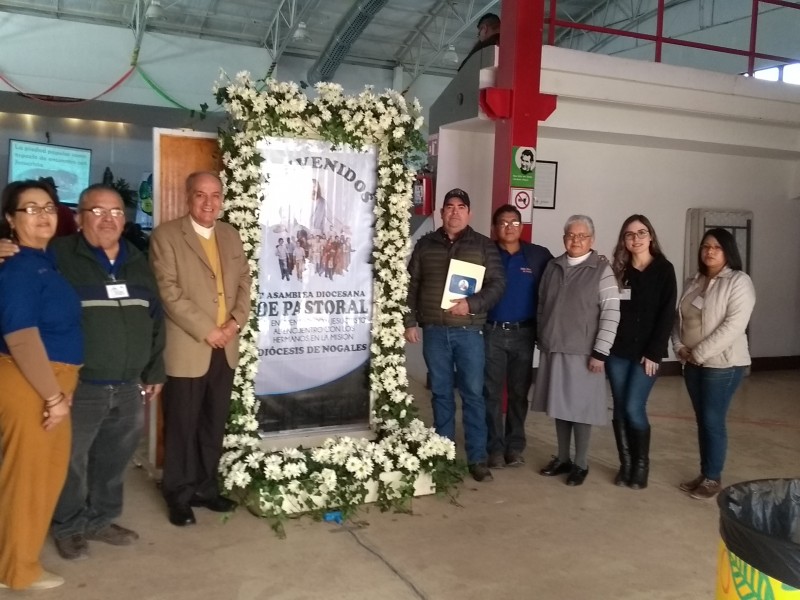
(315,305)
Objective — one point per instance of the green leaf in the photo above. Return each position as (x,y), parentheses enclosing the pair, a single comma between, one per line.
(751,584)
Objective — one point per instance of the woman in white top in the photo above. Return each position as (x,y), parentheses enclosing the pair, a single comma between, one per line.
(709,339)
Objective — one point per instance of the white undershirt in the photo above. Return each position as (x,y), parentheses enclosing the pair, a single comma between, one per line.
(205,232)
(578,259)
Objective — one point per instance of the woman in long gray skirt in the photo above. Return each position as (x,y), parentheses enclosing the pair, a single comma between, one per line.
(578,318)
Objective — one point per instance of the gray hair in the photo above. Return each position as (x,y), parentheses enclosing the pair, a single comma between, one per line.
(580,219)
(104,187)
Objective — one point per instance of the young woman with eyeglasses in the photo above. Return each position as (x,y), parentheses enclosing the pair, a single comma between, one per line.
(647,307)
(41,349)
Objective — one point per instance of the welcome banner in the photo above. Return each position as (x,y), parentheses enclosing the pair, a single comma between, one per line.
(315,305)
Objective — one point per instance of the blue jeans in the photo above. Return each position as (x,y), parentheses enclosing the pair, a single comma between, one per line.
(711,391)
(461,347)
(509,362)
(107,421)
(630,389)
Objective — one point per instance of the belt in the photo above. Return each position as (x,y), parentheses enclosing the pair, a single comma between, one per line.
(510,325)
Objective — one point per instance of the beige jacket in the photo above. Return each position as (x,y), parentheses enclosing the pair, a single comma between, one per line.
(188,292)
(727,306)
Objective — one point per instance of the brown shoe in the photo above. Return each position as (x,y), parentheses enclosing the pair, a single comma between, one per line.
(514,459)
(707,489)
(72,547)
(496,461)
(113,534)
(480,472)
(689,486)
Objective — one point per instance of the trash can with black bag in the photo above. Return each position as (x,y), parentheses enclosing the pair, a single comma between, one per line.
(759,557)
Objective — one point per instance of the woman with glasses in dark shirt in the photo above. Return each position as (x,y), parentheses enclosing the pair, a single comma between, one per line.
(647,307)
(41,349)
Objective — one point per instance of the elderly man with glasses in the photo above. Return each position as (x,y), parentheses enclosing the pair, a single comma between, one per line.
(509,337)
(123,329)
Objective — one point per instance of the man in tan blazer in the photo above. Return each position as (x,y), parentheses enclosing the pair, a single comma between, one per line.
(204,281)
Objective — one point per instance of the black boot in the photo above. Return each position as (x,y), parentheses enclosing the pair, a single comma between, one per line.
(640,454)
(620,434)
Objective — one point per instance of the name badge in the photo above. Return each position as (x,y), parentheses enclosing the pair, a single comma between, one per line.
(625,293)
(698,303)
(117,290)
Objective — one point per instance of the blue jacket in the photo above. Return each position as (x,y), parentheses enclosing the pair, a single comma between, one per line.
(537,258)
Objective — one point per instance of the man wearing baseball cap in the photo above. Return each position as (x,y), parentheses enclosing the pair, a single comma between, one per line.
(452,338)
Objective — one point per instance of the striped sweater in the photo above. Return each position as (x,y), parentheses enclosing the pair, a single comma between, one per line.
(578,307)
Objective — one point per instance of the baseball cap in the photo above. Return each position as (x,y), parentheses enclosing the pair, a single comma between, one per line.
(457,193)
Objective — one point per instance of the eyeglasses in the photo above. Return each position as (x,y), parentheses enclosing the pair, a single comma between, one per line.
(641,234)
(577,237)
(507,224)
(50,209)
(104,212)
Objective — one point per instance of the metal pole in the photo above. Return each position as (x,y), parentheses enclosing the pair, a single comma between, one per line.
(751,56)
(659,30)
(551,27)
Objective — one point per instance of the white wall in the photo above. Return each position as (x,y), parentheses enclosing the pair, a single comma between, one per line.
(632,137)
(609,182)
(465,161)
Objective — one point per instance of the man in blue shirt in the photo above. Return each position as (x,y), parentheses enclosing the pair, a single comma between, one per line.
(509,337)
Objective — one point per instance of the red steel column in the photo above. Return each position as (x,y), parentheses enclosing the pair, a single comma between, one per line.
(659,30)
(516,102)
(751,56)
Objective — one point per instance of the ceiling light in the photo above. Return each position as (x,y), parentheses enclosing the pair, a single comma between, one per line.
(450,55)
(154,10)
(301,33)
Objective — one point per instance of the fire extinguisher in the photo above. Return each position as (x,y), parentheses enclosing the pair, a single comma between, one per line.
(423,194)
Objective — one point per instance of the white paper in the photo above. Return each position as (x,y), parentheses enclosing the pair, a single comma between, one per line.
(463,280)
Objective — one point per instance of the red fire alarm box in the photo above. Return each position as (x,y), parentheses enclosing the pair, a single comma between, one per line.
(423,194)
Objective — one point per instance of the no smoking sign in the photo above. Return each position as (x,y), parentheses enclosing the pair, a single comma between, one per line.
(522,199)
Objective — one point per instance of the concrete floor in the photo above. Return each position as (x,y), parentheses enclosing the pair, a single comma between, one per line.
(522,536)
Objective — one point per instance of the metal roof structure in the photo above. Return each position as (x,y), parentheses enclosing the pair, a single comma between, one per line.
(419,35)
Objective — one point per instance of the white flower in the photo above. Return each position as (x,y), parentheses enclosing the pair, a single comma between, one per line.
(273,472)
(293,470)
(292,453)
(271,108)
